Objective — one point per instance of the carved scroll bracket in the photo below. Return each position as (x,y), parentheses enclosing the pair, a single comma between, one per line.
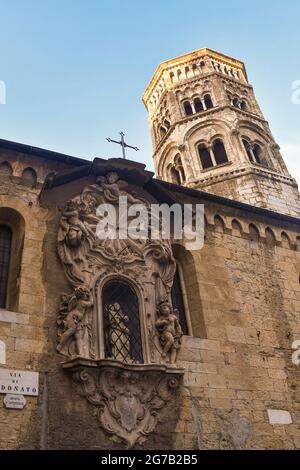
(128,398)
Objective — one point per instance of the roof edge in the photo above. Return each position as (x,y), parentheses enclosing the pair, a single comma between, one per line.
(43,153)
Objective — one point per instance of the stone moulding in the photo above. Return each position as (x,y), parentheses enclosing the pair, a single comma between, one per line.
(128,398)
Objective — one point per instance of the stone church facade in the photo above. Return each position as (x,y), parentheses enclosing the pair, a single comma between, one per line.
(144,344)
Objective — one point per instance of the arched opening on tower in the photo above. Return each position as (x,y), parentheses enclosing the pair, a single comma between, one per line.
(244,105)
(248,149)
(175,176)
(257,152)
(162,131)
(208,102)
(219,152)
(205,157)
(198,105)
(187,108)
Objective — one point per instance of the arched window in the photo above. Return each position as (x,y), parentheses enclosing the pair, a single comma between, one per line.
(235,102)
(205,157)
(162,131)
(248,149)
(121,321)
(198,105)
(5,169)
(257,152)
(219,152)
(12,228)
(175,175)
(5,251)
(187,108)
(244,105)
(208,102)
(167,124)
(178,302)
(29,178)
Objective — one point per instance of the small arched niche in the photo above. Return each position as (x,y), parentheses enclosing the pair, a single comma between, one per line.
(6,169)
(236,228)
(270,238)
(254,236)
(219,224)
(285,240)
(29,178)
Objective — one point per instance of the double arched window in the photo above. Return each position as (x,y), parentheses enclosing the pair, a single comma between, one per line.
(212,155)
(163,128)
(197,105)
(238,102)
(255,152)
(176,171)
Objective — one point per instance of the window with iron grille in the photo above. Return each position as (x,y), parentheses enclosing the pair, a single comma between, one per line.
(121,319)
(5,249)
(178,303)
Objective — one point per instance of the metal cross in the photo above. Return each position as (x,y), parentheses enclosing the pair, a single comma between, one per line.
(123,144)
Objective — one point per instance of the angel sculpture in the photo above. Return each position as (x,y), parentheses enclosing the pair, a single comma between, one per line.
(169,331)
(73,322)
(71,236)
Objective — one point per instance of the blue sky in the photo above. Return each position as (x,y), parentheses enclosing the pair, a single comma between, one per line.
(75,70)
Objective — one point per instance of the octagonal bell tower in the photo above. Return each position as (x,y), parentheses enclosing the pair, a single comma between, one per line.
(209,133)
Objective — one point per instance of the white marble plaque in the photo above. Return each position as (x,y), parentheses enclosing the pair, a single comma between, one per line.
(2,353)
(14,402)
(19,382)
(279,417)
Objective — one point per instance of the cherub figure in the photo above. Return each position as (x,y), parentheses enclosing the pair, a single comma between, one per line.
(113,188)
(169,331)
(72,229)
(78,305)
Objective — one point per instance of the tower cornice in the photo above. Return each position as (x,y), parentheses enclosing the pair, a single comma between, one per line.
(185,59)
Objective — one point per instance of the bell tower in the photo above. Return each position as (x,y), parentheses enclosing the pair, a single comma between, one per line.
(208,133)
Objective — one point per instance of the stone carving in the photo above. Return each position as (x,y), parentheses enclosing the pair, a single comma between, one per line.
(127,400)
(72,321)
(169,331)
(87,260)
(118,333)
(128,396)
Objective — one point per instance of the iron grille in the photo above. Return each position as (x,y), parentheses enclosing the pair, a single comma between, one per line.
(177,301)
(122,330)
(5,249)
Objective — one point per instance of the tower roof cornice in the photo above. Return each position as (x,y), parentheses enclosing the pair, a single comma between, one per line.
(183,59)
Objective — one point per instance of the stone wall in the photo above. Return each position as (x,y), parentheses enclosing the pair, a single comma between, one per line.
(243,290)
